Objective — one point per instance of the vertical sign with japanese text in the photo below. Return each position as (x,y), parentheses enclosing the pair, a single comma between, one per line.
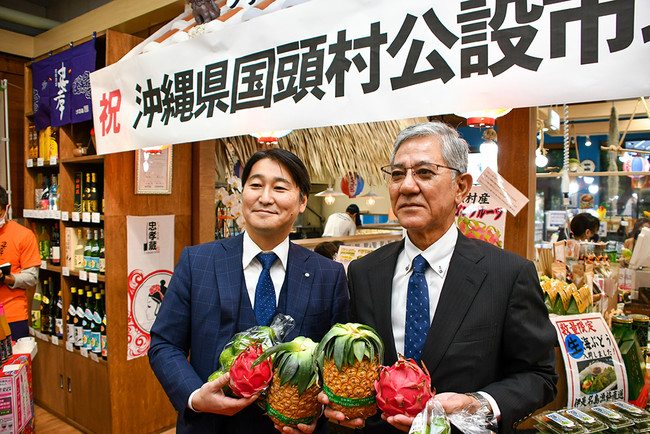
(150,260)
(594,366)
(367,60)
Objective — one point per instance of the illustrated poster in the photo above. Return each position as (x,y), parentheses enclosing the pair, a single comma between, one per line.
(150,241)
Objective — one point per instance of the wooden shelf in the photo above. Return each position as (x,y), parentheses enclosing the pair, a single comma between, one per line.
(100,277)
(86,159)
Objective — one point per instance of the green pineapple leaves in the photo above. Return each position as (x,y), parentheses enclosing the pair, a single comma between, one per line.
(346,342)
(293,362)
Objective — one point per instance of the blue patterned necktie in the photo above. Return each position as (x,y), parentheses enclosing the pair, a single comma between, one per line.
(265,292)
(417,311)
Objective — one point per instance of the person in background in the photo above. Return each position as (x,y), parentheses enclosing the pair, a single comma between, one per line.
(636,230)
(584,227)
(342,224)
(227,286)
(472,313)
(18,247)
(329,249)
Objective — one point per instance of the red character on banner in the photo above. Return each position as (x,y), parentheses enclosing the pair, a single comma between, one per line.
(110,108)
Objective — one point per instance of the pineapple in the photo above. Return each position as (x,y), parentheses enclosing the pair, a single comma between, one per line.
(292,398)
(350,356)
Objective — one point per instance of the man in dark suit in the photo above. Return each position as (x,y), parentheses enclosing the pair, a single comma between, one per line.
(218,289)
(472,313)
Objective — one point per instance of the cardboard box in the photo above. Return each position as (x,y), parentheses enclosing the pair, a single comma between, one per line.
(16,396)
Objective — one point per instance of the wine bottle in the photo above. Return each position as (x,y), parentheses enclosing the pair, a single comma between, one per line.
(55,246)
(79,251)
(71,317)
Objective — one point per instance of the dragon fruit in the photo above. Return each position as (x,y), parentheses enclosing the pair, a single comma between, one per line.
(246,381)
(403,388)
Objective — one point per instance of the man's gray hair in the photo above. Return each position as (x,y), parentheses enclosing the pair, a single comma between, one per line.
(454,148)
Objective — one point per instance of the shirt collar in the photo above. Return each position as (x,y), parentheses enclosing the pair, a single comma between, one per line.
(438,254)
(250,251)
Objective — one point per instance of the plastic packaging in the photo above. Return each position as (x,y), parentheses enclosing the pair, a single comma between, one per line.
(592,424)
(616,421)
(640,417)
(266,335)
(555,422)
(431,420)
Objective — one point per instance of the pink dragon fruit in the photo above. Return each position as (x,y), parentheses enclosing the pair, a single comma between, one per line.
(244,381)
(403,388)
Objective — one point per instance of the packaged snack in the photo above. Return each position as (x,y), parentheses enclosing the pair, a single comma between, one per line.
(591,423)
(640,417)
(554,422)
(616,421)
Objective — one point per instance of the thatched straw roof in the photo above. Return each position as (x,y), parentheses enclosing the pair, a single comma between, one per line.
(330,152)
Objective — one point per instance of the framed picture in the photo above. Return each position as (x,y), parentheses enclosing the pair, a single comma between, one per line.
(153,171)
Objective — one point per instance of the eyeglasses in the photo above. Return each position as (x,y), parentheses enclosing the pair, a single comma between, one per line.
(424,172)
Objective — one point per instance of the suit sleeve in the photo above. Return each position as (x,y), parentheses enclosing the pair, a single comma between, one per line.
(340,308)
(171,338)
(528,378)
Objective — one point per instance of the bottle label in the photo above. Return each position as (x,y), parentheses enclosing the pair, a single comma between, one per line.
(104,349)
(80,312)
(71,334)
(78,262)
(96,342)
(86,341)
(58,327)
(89,315)
(102,265)
(46,300)
(72,311)
(56,253)
(59,304)
(79,336)
(97,318)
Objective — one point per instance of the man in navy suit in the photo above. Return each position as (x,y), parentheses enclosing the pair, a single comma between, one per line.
(218,290)
(472,313)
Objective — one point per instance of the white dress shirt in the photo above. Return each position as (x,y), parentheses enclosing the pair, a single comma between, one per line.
(340,224)
(253,267)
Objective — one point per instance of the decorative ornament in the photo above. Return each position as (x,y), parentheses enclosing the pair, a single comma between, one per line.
(352,184)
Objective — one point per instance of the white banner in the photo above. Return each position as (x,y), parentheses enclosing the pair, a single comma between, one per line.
(150,261)
(333,62)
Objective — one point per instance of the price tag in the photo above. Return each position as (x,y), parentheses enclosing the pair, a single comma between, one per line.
(30,163)
(92,277)
(69,347)
(49,214)
(83,275)
(84,352)
(75,216)
(39,162)
(41,214)
(52,161)
(96,217)
(41,336)
(85,217)
(94,357)
(65,216)
(55,340)
(26,213)
(65,271)
(43,265)
(57,215)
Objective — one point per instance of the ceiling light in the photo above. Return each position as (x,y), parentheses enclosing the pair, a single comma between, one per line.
(370,198)
(329,195)
(588,141)
(541,160)
(593,189)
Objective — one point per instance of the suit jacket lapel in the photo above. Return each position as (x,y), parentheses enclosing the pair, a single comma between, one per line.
(463,281)
(380,280)
(298,282)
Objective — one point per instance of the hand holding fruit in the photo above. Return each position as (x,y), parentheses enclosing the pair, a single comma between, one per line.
(211,399)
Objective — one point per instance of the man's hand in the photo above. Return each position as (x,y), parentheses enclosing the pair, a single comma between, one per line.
(211,399)
(301,428)
(400,421)
(9,279)
(336,416)
(455,402)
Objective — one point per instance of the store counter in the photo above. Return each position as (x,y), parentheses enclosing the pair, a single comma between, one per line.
(373,240)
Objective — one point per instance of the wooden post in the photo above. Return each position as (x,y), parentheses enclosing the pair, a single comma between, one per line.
(516,140)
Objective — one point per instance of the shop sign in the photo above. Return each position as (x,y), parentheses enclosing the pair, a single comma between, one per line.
(482,217)
(334,62)
(150,241)
(594,367)
(61,89)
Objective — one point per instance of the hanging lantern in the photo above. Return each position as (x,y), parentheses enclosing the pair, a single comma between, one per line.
(370,198)
(483,118)
(270,138)
(352,184)
(329,195)
(636,163)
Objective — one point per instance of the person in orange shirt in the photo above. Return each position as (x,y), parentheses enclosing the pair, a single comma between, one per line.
(18,247)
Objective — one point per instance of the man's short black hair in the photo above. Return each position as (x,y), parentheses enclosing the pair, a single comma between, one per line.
(4,197)
(289,160)
(352,209)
